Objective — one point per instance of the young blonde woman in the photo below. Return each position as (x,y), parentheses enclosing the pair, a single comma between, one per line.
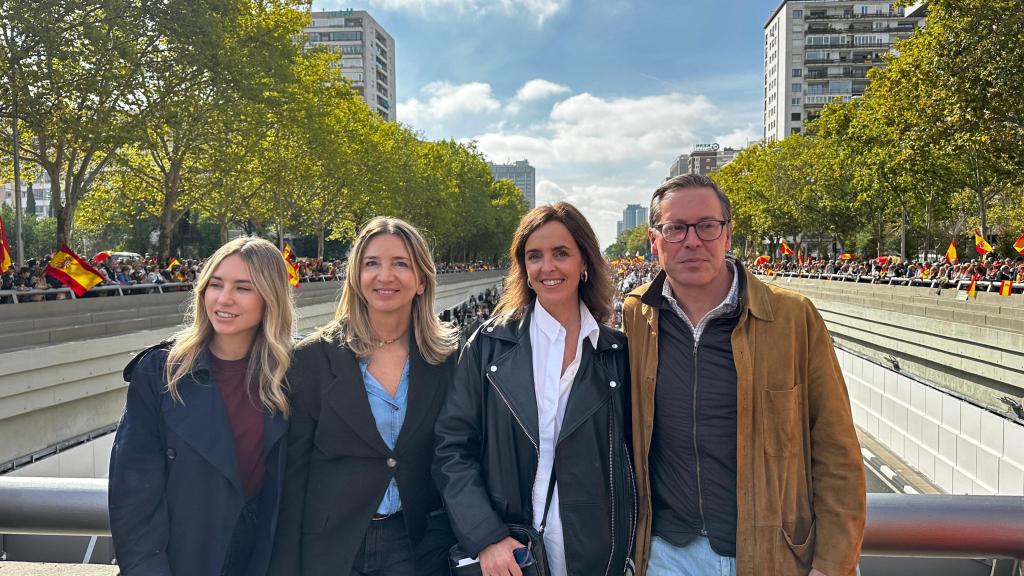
(198,459)
(365,392)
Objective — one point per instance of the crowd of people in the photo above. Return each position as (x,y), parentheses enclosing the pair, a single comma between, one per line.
(141,275)
(892,270)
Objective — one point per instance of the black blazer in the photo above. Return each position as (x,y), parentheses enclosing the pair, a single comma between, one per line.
(338,467)
(175,491)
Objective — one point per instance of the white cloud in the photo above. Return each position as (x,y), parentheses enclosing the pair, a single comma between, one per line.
(589,129)
(540,9)
(740,137)
(597,152)
(602,204)
(539,89)
(443,100)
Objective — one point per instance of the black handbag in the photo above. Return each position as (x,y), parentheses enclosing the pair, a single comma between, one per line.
(533,563)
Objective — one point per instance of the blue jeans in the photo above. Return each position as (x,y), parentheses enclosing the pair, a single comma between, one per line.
(695,559)
(386,550)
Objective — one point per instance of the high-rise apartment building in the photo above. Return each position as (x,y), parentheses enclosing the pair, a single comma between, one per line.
(634,215)
(524,176)
(366,51)
(819,51)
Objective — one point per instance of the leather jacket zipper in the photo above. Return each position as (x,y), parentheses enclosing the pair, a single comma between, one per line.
(536,444)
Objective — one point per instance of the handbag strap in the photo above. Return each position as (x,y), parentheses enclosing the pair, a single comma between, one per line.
(547,502)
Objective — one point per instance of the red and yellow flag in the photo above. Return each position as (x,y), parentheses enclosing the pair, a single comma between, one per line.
(951,252)
(800,257)
(5,250)
(73,271)
(972,290)
(762,260)
(786,250)
(1006,288)
(980,245)
(1019,244)
(101,256)
(174,262)
(846,256)
(293,270)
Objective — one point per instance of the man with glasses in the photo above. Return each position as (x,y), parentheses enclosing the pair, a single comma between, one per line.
(746,457)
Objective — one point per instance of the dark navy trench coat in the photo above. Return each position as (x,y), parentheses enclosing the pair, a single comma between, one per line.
(175,491)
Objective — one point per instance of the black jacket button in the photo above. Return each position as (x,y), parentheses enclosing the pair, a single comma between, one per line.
(171,454)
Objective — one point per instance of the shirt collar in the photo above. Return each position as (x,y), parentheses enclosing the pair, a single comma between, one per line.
(728,305)
(589,327)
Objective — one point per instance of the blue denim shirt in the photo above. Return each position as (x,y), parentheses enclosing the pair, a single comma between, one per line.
(389,413)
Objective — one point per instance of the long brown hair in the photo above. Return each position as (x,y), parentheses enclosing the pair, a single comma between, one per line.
(271,351)
(435,341)
(597,292)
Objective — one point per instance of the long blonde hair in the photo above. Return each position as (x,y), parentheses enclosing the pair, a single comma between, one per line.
(434,339)
(271,351)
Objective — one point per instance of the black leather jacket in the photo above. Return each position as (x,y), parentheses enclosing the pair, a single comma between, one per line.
(487,453)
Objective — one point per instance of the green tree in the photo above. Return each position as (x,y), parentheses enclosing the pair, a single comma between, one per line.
(75,68)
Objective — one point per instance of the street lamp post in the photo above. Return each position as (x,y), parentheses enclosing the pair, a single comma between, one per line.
(16,143)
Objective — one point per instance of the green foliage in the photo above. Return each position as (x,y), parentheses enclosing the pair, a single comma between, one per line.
(232,122)
(39,234)
(933,150)
(629,243)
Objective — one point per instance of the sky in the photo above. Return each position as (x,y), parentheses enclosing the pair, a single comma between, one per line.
(601,96)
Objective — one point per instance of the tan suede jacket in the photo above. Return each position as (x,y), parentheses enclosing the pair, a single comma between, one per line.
(800,479)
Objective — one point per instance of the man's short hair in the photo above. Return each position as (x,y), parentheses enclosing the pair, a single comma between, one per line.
(682,182)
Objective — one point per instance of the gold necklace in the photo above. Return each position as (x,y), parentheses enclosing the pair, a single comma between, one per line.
(386,341)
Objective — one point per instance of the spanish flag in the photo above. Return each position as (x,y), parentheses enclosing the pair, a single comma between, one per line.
(1006,288)
(846,256)
(980,245)
(174,262)
(972,290)
(1019,244)
(5,250)
(293,271)
(762,260)
(951,252)
(72,271)
(101,256)
(786,250)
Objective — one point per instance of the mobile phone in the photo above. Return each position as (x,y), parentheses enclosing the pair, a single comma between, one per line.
(523,557)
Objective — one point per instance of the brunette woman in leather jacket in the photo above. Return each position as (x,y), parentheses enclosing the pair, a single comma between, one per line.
(542,390)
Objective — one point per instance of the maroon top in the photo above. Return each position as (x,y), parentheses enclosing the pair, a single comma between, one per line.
(245,413)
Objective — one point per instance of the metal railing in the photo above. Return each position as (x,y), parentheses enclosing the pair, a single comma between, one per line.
(121,290)
(939,526)
(941,282)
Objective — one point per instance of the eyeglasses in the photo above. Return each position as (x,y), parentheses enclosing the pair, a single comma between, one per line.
(707,230)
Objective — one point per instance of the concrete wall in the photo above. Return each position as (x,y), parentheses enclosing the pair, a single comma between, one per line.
(52,393)
(961,447)
(975,348)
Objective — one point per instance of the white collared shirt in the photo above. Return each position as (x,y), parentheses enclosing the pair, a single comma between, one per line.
(552,387)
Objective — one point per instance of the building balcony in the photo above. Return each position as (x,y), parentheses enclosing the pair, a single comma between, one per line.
(812,16)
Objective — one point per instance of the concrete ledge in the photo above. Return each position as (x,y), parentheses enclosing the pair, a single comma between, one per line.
(31,569)
(57,391)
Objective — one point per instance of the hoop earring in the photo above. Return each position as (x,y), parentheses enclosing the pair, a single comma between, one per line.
(584,276)
(530,284)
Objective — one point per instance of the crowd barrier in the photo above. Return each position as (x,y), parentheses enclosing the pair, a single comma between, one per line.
(959,284)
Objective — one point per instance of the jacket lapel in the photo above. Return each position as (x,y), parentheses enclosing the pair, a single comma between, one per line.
(424,386)
(512,373)
(346,395)
(592,386)
(202,421)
